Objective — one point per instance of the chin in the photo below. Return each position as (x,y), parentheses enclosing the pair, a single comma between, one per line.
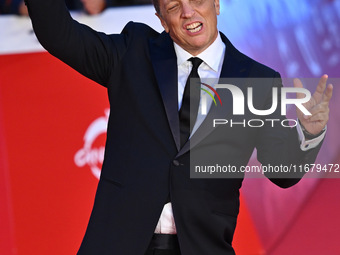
(199,47)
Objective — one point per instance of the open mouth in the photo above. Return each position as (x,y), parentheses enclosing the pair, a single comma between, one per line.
(194,27)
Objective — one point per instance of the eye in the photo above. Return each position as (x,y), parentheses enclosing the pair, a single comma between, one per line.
(172,7)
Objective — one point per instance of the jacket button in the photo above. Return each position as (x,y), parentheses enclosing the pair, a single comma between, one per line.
(175,162)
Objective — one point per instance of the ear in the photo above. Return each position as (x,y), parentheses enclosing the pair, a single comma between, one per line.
(217,6)
(164,25)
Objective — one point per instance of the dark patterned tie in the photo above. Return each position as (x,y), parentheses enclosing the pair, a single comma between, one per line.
(190,102)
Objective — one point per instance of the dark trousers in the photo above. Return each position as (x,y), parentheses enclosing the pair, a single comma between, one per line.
(163,244)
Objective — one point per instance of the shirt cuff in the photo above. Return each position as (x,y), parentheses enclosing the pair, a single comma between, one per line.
(306,145)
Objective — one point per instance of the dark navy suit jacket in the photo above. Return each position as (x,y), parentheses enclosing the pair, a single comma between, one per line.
(143,161)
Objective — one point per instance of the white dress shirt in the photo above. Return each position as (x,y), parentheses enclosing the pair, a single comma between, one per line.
(211,68)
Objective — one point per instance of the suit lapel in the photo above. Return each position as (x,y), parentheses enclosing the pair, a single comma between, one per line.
(234,66)
(164,61)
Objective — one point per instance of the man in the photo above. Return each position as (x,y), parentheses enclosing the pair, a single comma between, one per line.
(146,202)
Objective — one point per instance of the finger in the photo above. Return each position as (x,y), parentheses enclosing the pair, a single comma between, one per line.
(319,117)
(298,84)
(328,94)
(319,108)
(320,89)
(315,112)
(323,107)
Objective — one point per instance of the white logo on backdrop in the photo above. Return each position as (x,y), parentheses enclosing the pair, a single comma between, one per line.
(90,155)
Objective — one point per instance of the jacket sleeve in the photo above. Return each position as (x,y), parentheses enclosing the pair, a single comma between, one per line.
(91,53)
(279,147)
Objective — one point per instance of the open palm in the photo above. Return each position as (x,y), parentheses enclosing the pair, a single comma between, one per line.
(318,106)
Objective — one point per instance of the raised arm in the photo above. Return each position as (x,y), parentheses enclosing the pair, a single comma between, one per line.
(91,53)
(280,146)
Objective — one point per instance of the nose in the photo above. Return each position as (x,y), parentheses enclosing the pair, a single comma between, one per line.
(187,10)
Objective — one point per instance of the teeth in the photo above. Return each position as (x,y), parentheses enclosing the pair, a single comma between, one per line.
(194,27)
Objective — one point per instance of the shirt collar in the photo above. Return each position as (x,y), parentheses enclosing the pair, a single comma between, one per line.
(211,56)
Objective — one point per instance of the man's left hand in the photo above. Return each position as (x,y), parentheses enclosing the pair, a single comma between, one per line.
(318,106)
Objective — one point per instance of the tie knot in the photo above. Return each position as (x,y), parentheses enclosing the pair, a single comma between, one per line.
(195,62)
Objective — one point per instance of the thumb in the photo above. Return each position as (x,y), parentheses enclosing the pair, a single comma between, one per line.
(298,84)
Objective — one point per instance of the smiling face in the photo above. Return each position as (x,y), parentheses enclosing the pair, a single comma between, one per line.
(192,24)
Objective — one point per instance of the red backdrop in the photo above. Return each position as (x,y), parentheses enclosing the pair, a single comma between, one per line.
(52,132)
(48,113)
